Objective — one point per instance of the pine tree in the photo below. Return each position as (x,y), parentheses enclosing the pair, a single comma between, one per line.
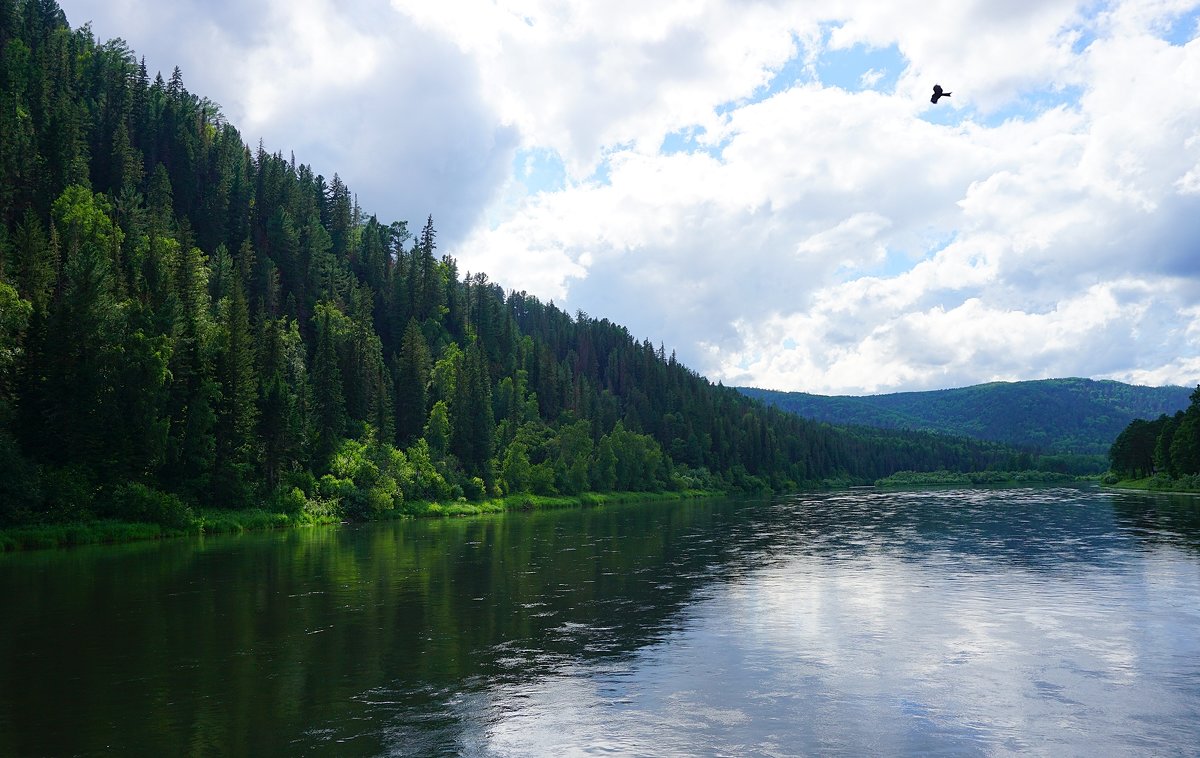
(285,399)
(330,403)
(34,265)
(430,293)
(194,391)
(412,382)
(473,426)
(237,409)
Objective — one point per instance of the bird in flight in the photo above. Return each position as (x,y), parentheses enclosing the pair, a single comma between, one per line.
(937,92)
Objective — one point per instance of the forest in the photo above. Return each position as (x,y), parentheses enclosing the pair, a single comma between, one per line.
(1068,421)
(187,321)
(1167,449)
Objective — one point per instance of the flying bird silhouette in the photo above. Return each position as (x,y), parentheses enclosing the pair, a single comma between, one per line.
(937,92)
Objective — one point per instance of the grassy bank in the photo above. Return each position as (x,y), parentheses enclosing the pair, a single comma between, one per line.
(104,531)
(926,478)
(1157,484)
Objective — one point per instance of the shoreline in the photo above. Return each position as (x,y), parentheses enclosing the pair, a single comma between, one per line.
(214,521)
(1147,484)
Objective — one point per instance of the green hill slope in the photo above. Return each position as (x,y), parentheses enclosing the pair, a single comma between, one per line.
(1071,416)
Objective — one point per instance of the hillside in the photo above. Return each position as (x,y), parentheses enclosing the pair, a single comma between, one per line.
(1071,416)
(189,322)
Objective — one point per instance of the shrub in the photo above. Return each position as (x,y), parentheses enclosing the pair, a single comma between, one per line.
(333,488)
(474,488)
(69,493)
(20,490)
(284,500)
(137,502)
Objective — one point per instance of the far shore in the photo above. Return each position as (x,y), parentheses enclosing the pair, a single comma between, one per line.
(1158,485)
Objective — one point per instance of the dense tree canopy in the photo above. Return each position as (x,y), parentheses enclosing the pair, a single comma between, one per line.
(1168,446)
(184,315)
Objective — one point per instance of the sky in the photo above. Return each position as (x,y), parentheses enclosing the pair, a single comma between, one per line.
(761,186)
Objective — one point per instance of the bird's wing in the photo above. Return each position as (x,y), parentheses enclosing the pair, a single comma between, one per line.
(937,88)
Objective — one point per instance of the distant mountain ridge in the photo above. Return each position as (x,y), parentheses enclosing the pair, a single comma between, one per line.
(1075,416)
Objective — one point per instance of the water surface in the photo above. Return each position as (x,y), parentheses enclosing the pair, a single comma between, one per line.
(1055,621)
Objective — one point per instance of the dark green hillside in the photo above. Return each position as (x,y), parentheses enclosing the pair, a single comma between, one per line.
(189,322)
(1070,416)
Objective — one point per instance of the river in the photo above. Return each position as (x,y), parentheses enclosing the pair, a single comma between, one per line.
(1046,621)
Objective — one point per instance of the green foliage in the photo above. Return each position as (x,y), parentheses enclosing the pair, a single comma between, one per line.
(515,471)
(41,536)
(20,484)
(973,478)
(472,426)
(1167,449)
(136,502)
(330,415)
(14,317)
(437,430)
(412,384)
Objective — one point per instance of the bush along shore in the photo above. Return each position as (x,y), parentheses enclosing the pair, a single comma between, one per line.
(167,519)
(1156,483)
(973,478)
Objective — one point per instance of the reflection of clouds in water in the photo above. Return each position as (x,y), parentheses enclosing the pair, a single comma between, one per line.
(572,713)
(964,622)
(876,654)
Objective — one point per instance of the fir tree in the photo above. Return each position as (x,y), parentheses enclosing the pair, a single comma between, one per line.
(412,381)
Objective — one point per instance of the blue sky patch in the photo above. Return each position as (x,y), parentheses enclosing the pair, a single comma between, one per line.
(1083,41)
(682,141)
(539,169)
(898,261)
(792,72)
(1029,105)
(859,68)
(944,113)
(688,141)
(1183,29)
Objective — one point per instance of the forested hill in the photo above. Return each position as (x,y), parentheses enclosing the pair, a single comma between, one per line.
(185,320)
(1079,416)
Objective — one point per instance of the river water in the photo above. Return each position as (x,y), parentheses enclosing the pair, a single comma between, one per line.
(1052,621)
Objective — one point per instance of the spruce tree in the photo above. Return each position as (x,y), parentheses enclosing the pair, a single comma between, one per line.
(329,402)
(237,409)
(412,382)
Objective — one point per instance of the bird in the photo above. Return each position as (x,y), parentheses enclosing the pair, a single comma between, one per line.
(937,92)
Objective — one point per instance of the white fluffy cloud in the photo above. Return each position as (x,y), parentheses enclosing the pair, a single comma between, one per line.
(723,192)
(839,241)
(351,88)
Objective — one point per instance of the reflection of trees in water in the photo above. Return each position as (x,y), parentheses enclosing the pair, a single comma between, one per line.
(251,641)
(1160,518)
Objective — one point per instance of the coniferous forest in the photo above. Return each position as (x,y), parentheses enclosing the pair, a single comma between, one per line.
(188,321)
(1167,449)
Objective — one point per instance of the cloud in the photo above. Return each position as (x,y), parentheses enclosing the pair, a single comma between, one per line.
(582,78)
(350,88)
(893,251)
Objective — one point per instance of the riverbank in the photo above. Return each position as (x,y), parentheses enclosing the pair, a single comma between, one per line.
(991,478)
(107,531)
(1187,484)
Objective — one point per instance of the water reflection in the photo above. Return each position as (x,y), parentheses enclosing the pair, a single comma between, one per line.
(964,621)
